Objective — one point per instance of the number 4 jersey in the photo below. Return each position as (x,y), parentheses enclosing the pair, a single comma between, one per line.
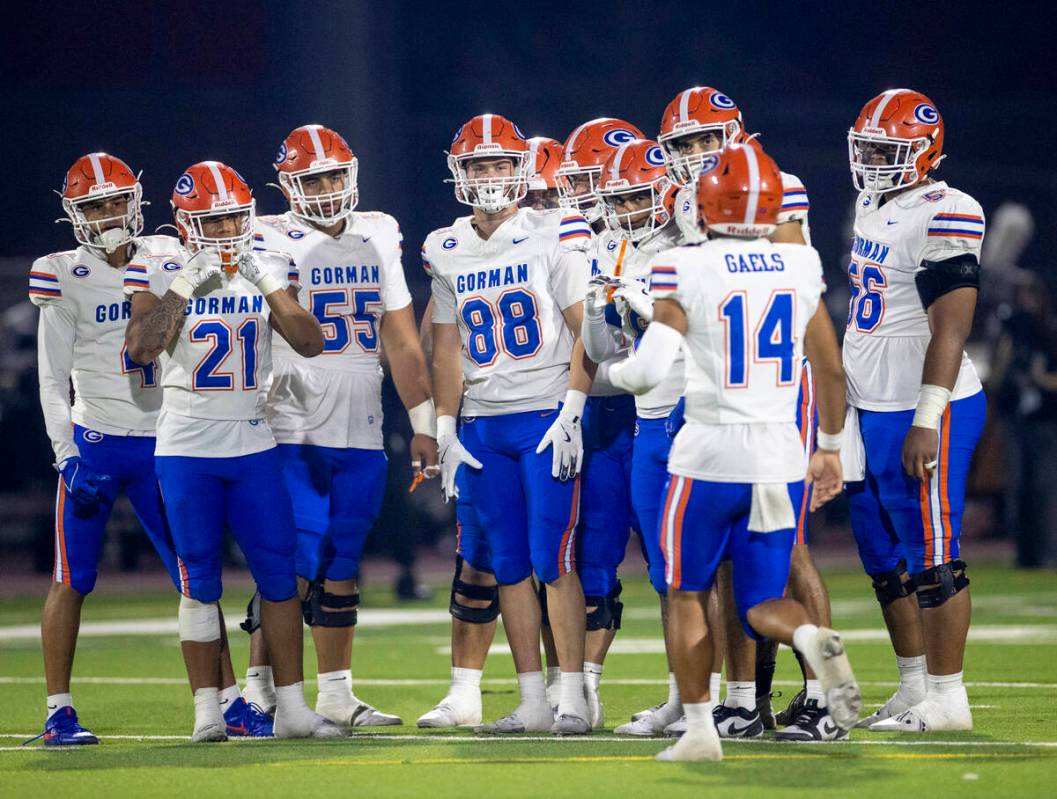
(216,371)
(747,305)
(348,282)
(888,329)
(507,295)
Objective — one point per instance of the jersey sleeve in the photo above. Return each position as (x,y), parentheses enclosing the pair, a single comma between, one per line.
(795,204)
(955,227)
(444,303)
(56,333)
(395,293)
(45,288)
(664,277)
(570,273)
(574,233)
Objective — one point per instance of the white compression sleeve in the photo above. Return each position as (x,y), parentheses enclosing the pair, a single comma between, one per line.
(650,362)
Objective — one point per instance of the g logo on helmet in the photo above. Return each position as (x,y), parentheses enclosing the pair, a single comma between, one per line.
(80,270)
(281,155)
(617,136)
(721,101)
(93,436)
(927,114)
(172,266)
(449,244)
(517,132)
(655,156)
(708,164)
(185,185)
(295,234)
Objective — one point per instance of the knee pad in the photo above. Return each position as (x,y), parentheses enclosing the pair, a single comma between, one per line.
(479,593)
(541,592)
(942,583)
(324,609)
(891,586)
(605,611)
(253,614)
(199,621)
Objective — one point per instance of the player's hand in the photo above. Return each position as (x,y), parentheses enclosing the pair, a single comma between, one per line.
(200,268)
(636,296)
(251,268)
(424,456)
(825,473)
(451,454)
(920,452)
(82,484)
(595,301)
(567,444)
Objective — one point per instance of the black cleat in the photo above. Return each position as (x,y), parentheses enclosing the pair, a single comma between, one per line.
(788,716)
(812,723)
(737,722)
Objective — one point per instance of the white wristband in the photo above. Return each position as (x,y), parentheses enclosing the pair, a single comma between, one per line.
(182,287)
(445,426)
(574,402)
(830,441)
(932,402)
(268,284)
(423,419)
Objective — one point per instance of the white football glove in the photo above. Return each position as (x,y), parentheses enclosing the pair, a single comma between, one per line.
(595,301)
(565,437)
(250,268)
(635,295)
(451,454)
(202,266)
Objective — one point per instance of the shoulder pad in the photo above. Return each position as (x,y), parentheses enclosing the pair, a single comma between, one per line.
(794,195)
(956,216)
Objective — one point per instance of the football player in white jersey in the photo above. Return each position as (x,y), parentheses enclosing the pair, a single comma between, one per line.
(104,443)
(326,412)
(210,317)
(915,268)
(696,124)
(741,307)
(508,287)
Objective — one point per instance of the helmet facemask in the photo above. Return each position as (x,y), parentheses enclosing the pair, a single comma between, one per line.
(640,223)
(684,163)
(102,234)
(189,223)
(492,193)
(327,208)
(578,190)
(899,167)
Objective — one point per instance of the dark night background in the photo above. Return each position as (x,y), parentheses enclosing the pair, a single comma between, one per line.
(163,85)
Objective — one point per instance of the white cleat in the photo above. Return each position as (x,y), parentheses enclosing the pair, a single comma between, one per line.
(696,746)
(567,724)
(648,723)
(896,704)
(648,711)
(929,716)
(210,731)
(306,724)
(348,711)
(596,711)
(452,712)
(677,728)
(525,718)
(828,660)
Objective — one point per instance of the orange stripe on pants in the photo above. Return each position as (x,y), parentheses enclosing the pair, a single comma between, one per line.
(944,472)
(60,528)
(680,512)
(574,517)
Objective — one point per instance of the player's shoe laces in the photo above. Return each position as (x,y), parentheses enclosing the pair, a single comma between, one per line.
(567,724)
(737,722)
(812,723)
(896,704)
(694,746)
(348,711)
(525,718)
(647,723)
(676,728)
(786,717)
(828,660)
(247,720)
(452,711)
(63,729)
(930,716)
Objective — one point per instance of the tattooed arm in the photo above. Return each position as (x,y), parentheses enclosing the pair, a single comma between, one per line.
(154,324)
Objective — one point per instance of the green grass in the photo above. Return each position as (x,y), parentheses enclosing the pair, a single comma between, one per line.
(996,757)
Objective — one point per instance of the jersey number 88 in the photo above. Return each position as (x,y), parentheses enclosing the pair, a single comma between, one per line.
(511,324)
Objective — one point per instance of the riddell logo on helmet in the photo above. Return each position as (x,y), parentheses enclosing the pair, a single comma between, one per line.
(874,131)
(99,188)
(487,148)
(225,203)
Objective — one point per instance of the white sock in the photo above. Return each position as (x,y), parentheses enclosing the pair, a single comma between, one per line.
(207,706)
(698,715)
(466,682)
(335,682)
(804,638)
(592,675)
(290,699)
(572,699)
(714,684)
(55,701)
(942,686)
(554,675)
(673,691)
(813,690)
(911,674)
(260,686)
(532,687)
(741,694)
(229,695)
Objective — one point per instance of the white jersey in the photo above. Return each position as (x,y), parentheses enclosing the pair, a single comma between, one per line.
(888,329)
(81,336)
(618,257)
(795,207)
(507,295)
(348,283)
(748,303)
(217,370)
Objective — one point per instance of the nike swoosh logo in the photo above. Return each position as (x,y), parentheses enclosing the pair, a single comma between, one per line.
(518,241)
(366,239)
(828,727)
(737,730)
(890,222)
(337,679)
(568,438)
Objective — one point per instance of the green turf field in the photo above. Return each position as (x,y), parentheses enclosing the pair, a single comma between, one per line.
(128,687)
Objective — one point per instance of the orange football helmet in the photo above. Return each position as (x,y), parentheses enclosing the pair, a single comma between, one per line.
(635,170)
(739,192)
(210,189)
(489,137)
(586,150)
(895,142)
(544,155)
(312,150)
(95,177)
(690,115)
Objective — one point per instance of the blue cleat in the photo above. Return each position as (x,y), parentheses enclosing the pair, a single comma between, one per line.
(247,720)
(62,729)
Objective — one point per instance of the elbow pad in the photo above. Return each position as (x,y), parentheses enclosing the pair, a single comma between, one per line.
(942,277)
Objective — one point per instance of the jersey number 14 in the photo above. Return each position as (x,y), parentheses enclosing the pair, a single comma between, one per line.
(771,339)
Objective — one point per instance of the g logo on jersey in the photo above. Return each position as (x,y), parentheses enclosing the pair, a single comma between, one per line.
(708,164)
(611,245)
(927,114)
(281,155)
(449,244)
(172,266)
(721,101)
(617,136)
(295,234)
(93,436)
(80,270)
(185,185)
(655,156)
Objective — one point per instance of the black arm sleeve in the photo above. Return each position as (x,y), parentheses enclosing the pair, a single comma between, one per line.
(942,277)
